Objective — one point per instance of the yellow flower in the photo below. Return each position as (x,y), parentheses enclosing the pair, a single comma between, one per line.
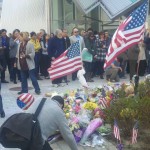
(90,105)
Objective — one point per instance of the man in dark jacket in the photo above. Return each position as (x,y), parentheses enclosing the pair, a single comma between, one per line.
(147,51)
(56,46)
(6,61)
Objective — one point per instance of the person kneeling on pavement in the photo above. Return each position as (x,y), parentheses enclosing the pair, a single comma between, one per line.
(52,119)
(113,70)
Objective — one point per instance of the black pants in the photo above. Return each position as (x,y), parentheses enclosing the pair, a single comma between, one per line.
(57,81)
(100,67)
(14,71)
(47,146)
(74,76)
(87,66)
(3,64)
(142,67)
(123,65)
(7,61)
(133,68)
(44,65)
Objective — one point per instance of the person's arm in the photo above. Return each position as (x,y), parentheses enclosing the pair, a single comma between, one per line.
(43,48)
(51,48)
(69,43)
(31,52)
(64,129)
(12,43)
(83,43)
(115,67)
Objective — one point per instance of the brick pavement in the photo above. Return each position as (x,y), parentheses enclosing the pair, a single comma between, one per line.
(10,107)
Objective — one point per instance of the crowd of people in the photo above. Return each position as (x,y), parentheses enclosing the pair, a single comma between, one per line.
(30,54)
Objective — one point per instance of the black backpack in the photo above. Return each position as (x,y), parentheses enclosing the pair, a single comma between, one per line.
(22,131)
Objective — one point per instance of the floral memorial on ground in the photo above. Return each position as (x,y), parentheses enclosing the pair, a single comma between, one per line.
(91,112)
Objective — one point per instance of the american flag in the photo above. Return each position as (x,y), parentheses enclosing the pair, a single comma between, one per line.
(135,133)
(103,102)
(116,131)
(67,63)
(129,33)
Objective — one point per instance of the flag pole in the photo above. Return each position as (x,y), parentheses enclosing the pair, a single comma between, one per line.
(147,18)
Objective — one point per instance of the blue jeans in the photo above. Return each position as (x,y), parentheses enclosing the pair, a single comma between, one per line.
(37,59)
(1,103)
(24,83)
(3,64)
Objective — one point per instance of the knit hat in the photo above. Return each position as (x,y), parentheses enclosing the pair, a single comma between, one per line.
(25,100)
(59,99)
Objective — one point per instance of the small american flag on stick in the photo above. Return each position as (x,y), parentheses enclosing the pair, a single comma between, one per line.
(116,131)
(103,102)
(135,133)
(67,63)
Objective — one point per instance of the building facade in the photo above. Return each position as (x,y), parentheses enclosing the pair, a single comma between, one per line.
(50,15)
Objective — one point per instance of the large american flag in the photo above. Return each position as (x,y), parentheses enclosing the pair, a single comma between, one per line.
(116,131)
(129,33)
(67,63)
(135,133)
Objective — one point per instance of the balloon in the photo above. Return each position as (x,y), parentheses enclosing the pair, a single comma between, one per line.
(25,100)
(92,127)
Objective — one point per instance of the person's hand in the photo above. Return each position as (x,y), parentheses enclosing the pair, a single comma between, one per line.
(95,56)
(120,69)
(16,39)
(23,55)
(15,65)
(53,58)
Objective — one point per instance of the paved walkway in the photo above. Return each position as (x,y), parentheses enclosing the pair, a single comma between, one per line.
(10,107)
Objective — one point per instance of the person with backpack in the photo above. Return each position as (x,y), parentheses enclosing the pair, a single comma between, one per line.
(31,129)
(52,119)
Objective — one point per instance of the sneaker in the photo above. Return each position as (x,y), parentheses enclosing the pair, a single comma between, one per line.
(20,93)
(15,82)
(47,77)
(38,92)
(39,78)
(4,81)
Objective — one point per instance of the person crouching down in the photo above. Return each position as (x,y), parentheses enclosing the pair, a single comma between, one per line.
(52,119)
(113,70)
(25,63)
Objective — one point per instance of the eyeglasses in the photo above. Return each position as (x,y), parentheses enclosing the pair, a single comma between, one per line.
(76,31)
(91,36)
